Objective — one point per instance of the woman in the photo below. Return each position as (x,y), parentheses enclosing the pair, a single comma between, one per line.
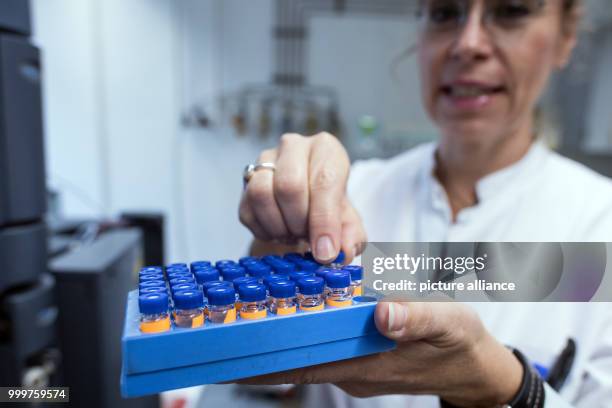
(483,66)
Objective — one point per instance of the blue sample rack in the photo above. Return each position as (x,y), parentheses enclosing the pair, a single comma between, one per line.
(215,353)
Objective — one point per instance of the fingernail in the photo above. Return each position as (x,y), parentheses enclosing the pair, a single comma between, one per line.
(325,250)
(397,317)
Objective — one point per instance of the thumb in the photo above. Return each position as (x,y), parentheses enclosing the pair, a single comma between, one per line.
(413,321)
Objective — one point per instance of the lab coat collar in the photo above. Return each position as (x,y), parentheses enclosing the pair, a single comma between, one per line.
(492,185)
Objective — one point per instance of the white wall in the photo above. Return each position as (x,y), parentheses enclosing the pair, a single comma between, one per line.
(64,31)
(118,75)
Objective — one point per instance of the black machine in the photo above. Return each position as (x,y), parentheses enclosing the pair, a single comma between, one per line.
(61,305)
(28,313)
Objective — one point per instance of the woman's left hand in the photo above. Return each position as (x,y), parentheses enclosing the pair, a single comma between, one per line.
(442,349)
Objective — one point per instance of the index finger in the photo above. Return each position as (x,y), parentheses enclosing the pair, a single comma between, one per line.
(329,168)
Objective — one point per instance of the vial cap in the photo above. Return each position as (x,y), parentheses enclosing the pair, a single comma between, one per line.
(176,281)
(180,265)
(311,285)
(152,269)
(243,280)
(207,285)
(176,275)
(225,262)
(188,299)
(183,286)
(247,259)
(340,258)
(177,270)
(274,278)
(293,257)
(321,272)
(152,284)
(306,265)
(309,256)
(356,271)
(252,292)
(271,259)
(229,274)
(259,270)
(206,275)
(221,295)
(153,289)
(338,279)
(200,264)
(282,289)
(153,303)
(296,276)
(284,268)
(147,278)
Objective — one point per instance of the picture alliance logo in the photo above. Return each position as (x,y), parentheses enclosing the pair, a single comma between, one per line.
(414,264)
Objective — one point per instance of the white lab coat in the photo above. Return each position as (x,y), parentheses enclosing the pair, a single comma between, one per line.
(542,198)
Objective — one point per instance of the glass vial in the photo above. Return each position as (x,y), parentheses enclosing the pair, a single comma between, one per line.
(154,317)
(188,308)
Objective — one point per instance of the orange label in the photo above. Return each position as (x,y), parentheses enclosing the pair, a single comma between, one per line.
(157,326)
(238,306)
(260,314)
(197,321)
(286,310)
(312,309)
(339,303)
(230,317)
(357,291)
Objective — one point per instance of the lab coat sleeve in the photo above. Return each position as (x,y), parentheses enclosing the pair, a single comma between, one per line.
(595,389)
(554,400)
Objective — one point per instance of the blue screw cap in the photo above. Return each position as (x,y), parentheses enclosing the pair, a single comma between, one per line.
(229,274)
(183,286)
(188,299)
(259,270)
(225,262)
(293,257)
(296,276)
(183,274)
(252,292)
(311,285)
(147,278)
(207,285)
(306,265)
(340,258)
(282,289)
(247,259)
(338,279)
(271,259)
(242,281)
(221,295)
(151,269)
(206,275)
(152,284)
(321,272)
(150,277)
(180,265)
(274,278)
(152,289)
(356,271)
(200,264)
(284,268)
(153,303)
(176,281)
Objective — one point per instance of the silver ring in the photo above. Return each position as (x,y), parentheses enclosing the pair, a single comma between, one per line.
(252,168)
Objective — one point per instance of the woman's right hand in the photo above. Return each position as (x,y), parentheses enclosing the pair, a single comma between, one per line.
(304,198)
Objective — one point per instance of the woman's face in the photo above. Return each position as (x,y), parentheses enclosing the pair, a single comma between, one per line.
(484,63)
